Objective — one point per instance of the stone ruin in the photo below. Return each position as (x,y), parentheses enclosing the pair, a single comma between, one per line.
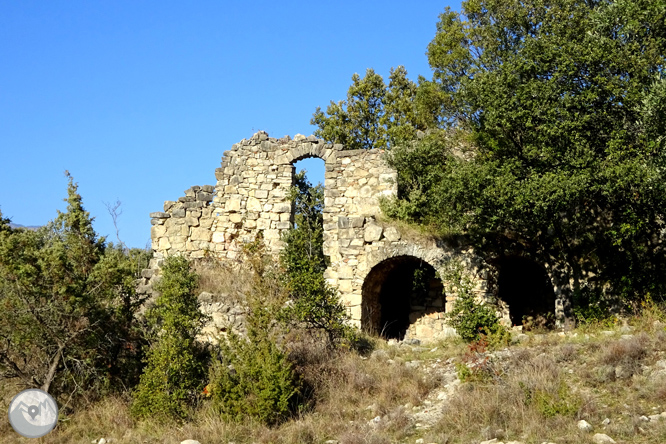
(371,260)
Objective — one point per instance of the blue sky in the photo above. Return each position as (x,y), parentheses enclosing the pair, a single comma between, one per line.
(139,99)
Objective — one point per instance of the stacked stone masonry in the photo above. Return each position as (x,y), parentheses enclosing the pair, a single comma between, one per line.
(251,197)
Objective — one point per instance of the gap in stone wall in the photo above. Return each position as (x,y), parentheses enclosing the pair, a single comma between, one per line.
(526,288)
(403,297)
(314,168)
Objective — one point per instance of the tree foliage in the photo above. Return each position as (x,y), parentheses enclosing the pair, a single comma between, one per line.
(314,304)
(555,121)
(253,377)
(68,303)
(175,364)
(375,115)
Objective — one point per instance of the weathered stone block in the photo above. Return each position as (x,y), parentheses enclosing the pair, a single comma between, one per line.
(392,234)
(233,204)
(357,222)
(253,204)
(204,197)
(282,208)
(159,215)
(372,233)
(343,222)
(178,213)
(157,231)
(345,285)
(164,243)
(261,194)
(201,234)
(345,272)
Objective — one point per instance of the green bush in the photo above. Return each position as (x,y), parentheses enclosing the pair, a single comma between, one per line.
(468,317)
(252,377)
(175,363)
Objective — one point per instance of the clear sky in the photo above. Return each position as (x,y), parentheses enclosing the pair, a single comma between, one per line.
(139,99)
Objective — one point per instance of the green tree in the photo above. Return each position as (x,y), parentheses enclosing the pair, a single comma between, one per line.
(175,364)
(554,147)
(68,301)
(374,115)
(252,376)
(314,304)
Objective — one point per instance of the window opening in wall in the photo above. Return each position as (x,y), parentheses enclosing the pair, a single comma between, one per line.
(307,212)
(397,294)
(526,288)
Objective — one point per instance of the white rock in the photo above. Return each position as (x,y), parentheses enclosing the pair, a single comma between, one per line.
(600,438)
(644,418)
(606,421)
(420,441)
(490,441)
(655,417)
(585,426)
(190,441)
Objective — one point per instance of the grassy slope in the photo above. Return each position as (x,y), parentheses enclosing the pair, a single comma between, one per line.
(534,391)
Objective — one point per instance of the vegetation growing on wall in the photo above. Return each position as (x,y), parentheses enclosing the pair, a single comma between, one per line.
(314,304)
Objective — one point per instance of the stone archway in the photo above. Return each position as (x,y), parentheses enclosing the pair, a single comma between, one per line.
(526,288)
(397,293)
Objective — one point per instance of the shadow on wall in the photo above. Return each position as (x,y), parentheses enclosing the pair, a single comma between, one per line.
(397,293)
(527,289)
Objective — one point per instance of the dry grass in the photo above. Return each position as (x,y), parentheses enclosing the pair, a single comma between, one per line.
(537,392)
(220,278)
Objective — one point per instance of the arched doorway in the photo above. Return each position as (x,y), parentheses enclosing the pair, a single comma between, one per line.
(396,293)
(526,288)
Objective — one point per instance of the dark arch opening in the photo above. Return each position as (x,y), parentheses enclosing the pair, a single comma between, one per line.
(397,292)
(526,287)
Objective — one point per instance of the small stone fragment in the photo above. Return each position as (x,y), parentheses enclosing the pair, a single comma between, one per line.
(585,426)
(601,438)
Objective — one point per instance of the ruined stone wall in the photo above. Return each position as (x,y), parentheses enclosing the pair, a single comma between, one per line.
(251,197)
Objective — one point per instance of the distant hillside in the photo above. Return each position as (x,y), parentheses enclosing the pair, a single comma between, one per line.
(33,227)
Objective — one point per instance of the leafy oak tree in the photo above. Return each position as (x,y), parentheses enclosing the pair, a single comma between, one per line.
(554,143)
